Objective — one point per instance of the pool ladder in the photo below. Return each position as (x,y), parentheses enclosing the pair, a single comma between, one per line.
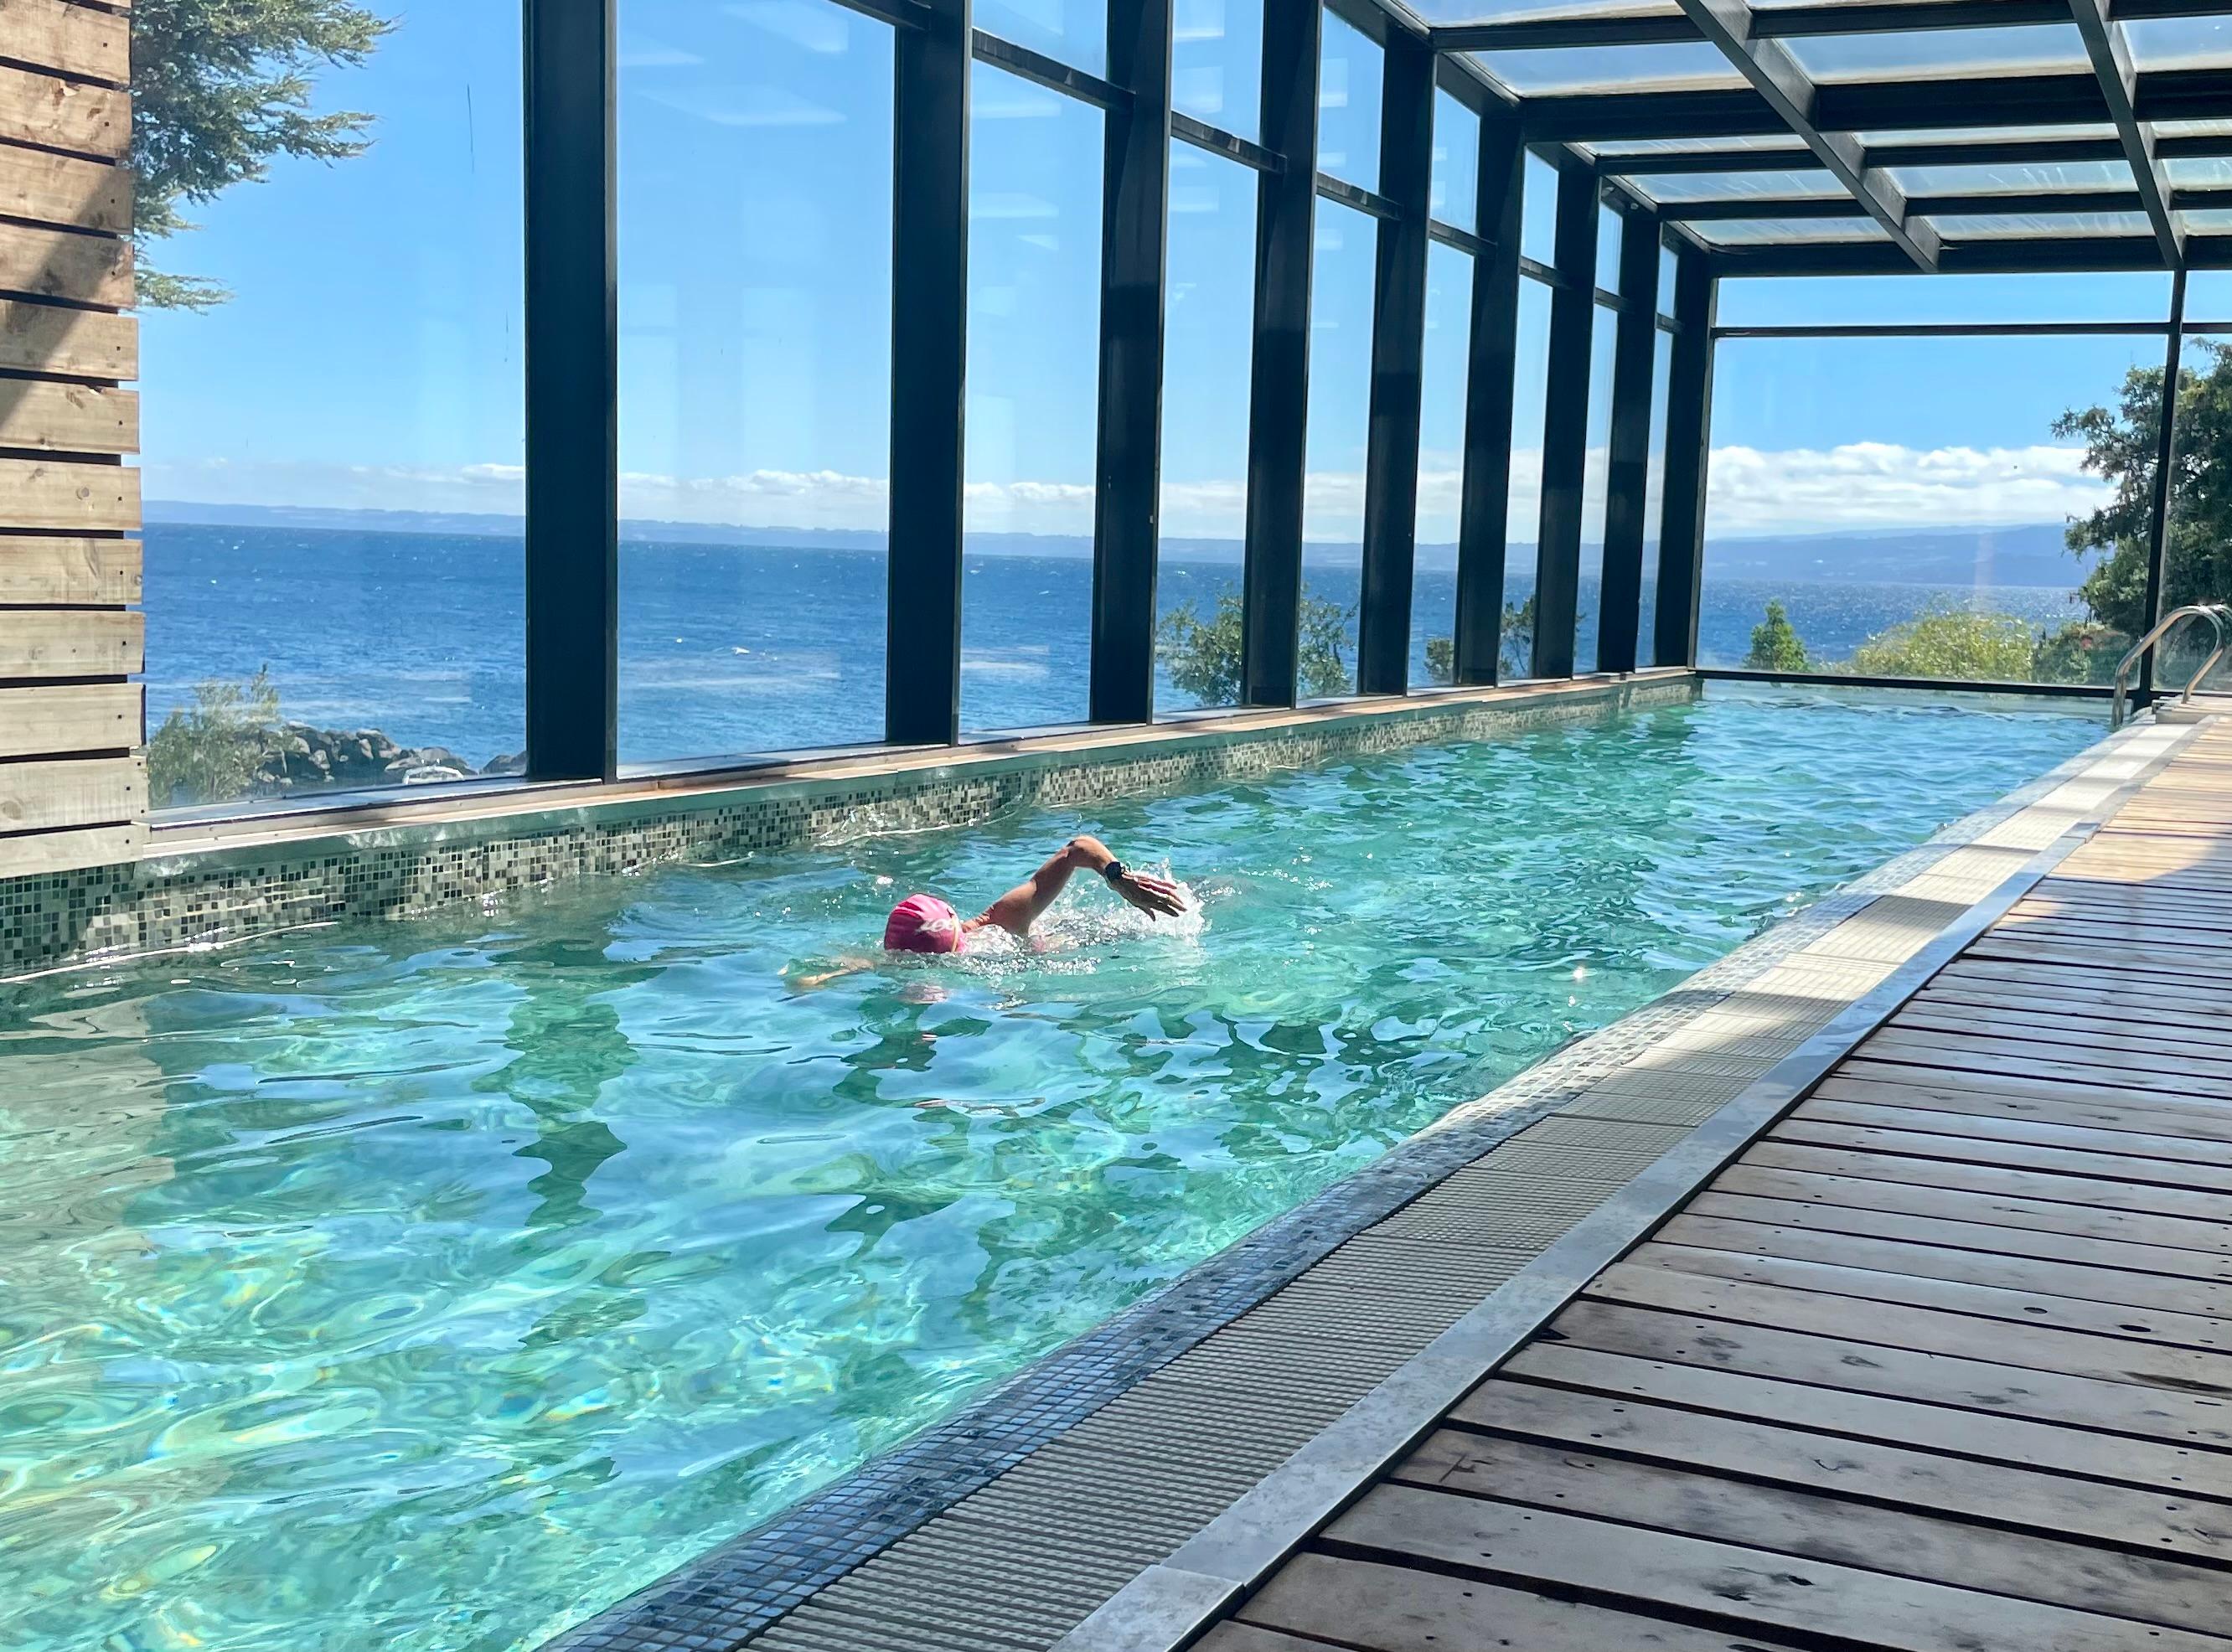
(2215,612)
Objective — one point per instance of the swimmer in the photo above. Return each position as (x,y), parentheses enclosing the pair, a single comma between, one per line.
(925,923)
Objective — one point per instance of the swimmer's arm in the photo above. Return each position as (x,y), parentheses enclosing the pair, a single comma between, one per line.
(822,978)
(1017,910)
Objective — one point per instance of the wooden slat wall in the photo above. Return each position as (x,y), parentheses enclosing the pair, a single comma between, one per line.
(73,764)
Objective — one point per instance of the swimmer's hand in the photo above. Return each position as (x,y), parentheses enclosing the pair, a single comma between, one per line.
(1156,897)
(806,983)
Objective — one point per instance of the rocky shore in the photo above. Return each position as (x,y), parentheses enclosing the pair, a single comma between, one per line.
(303,757)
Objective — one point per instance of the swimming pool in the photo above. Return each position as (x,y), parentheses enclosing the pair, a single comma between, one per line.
(430,1286)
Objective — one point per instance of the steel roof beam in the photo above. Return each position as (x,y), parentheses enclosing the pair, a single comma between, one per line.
(1776,76)
(2119,87)
(1973,152)
(2001,203)
(1644,25)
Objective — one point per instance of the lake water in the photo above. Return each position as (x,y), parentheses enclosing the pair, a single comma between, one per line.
(729,649)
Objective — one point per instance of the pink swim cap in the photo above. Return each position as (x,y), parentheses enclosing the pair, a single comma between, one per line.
(922,923)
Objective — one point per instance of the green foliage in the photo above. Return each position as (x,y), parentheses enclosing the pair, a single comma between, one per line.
(218,88)
(1441,661)
(211,753)
(1515,656)
(2084,651)
(1775,646)
(1952,643)
(2120,446)
(1203,655)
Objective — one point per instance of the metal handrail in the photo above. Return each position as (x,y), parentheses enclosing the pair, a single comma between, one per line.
(2214,613)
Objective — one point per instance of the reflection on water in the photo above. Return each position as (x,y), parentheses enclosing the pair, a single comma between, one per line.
(428,1287)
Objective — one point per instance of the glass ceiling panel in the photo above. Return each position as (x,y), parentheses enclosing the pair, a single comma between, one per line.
(1993,180)
(1926,51)
(2038,225)
(2212,222)
(1984,134)
(2197,169)
(1695,147)
(1449,11)
(1624,69)
(1756,232)
(2179,43)
(2191,128)
(1735,186)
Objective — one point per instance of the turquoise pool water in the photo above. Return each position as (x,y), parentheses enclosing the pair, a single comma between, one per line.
(428,1287)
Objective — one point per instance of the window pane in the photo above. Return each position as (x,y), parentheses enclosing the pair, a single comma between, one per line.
(1441,465)
(1217,63)
(755,291)
(1802,301)
(1596,478)
(333,452)
(1538,211)
(1524,521)
(1035,170)
(1455,189)
(1351,72)
(1654,494)
(1908,502)
(1207,354)
(1608,231)
(1668,267)
(1075,32)
(1339,410)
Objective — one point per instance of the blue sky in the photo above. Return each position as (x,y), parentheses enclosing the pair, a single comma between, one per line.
(371,355)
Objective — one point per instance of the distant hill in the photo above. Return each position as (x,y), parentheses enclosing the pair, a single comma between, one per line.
(2027,555)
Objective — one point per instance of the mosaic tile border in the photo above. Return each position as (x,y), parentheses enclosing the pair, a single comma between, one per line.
(736,1592)
(216,895)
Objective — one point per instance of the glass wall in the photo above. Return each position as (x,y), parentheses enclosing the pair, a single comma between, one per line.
(1034,184)
(1927,507)
(1216,64)
(1441,465)
(335,579)
(1523,519)
(754,361)
(1351,73)
(1209,318)
(2198,547)
(1343,275)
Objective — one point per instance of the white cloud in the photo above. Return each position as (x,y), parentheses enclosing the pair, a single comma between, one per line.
(1862,485)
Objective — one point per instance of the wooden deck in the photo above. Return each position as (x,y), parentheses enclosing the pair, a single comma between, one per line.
(1942,1362)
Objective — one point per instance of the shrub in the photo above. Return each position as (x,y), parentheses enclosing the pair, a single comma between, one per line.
(1203,655)
(211,753)
(1952,643)
(2084,651)
(1776,646)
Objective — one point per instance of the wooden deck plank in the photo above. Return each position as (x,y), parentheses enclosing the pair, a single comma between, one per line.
(2169,1040)
(2099,1461)
(1864,1067)
(2034,1132)
(1895,1472)
(2067,1185)
(2023,1305)
(2059,1276)
(2207,1238)
(2203,1121)
(1579,1478)
(2010,1053)
(1918,1330)
(1396,1609)
(1668,1570)
(1896,1373)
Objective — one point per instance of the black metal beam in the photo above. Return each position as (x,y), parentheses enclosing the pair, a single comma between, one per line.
(1732,25)
(1628,463)
(1218,141)
(572,343)
(2119,83)
(1485,509)
(1398,347)
(1992,256)
(1645,25)
(2014,98)
(1280,380)
(929,259)
(2161,501)
(1998,204)
(1126,503)
(1688,442)
(1959,152)
(1048,71)
(1566,425)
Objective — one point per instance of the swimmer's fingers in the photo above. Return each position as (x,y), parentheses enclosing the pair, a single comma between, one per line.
(1156,897)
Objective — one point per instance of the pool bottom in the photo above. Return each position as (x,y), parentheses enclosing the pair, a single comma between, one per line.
(1018,1515)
